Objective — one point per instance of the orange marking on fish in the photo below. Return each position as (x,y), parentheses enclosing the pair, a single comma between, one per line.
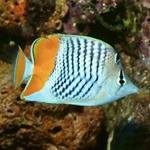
(45,51)
(19,68)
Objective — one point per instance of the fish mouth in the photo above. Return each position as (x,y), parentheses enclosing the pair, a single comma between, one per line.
(133,89)
(120,93)
(130,90)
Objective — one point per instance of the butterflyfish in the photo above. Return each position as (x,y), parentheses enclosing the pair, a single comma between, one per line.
(72,69)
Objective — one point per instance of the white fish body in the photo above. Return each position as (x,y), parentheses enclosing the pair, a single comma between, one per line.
(70,69)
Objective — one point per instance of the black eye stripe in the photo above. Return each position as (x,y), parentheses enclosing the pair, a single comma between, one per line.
(121,76)
(117,58)
(121,79)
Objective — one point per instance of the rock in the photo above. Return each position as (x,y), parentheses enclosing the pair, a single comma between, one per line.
(27,125)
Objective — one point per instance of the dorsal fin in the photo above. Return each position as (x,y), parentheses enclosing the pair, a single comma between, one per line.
(43,54)
(44,49)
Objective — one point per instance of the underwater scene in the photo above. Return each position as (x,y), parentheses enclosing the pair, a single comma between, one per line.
(74,75)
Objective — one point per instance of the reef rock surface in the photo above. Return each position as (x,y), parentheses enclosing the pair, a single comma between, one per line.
(25,125)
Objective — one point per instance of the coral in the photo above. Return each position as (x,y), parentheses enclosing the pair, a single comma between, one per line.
(83,12)
(32,18)
(123,24)
(36,18)
(131,124)
(146,3)
(12,13)
(38,12)
(55,20)
(25,125)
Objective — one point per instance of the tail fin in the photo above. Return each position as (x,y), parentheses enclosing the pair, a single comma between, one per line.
(23,68)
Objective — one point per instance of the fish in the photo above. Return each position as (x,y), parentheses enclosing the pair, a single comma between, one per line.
(71,69)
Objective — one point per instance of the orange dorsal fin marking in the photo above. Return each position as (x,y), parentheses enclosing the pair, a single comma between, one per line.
(35,85)
(44,52)
(20,67)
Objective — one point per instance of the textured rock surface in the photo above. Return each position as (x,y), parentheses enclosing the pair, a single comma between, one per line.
(123,24)
(130,128)
(35,18)
(25,125)
(32,18)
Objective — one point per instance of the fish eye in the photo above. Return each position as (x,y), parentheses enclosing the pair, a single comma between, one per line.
(121,78)
(117,58)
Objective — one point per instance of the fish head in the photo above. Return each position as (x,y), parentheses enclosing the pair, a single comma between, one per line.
(117,84)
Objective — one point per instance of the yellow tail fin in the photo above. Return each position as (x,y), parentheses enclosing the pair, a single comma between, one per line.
(23,68)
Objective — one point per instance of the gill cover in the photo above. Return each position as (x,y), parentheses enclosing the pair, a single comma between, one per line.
(22,69)
(119,85)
